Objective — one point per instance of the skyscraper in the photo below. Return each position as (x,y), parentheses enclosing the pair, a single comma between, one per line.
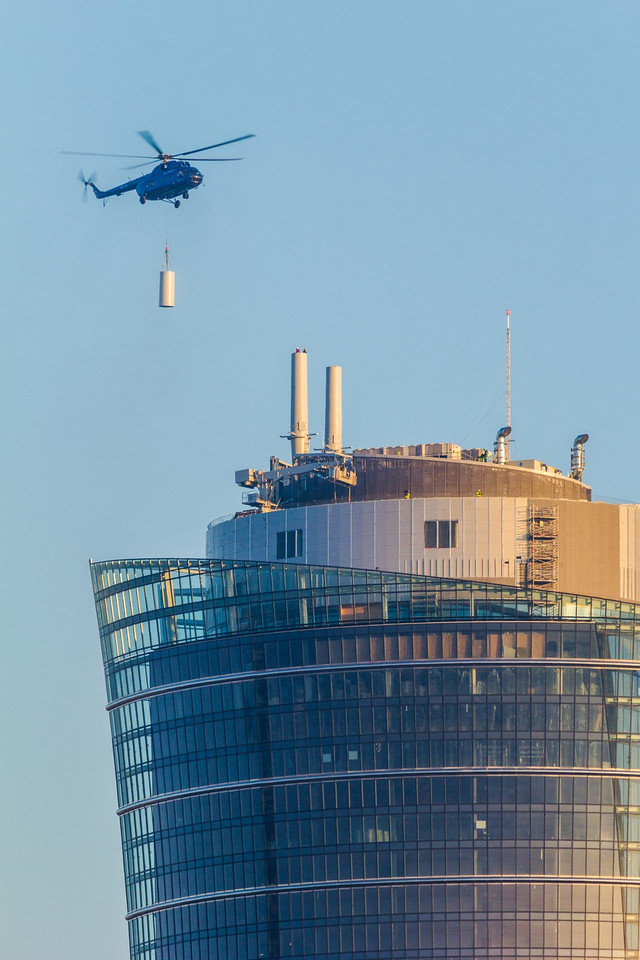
(395,714)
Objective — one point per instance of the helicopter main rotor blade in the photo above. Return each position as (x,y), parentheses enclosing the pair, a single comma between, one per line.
(160,155)
(136,166)
(187,153)
(124,156)
(150,140)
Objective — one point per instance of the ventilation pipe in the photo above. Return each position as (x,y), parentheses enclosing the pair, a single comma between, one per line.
(333,411)
(577,456)
(299,435)
(501,446)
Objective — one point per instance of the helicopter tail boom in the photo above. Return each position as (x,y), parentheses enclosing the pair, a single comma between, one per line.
(115,191)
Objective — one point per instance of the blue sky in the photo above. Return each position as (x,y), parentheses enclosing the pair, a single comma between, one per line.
(418,167)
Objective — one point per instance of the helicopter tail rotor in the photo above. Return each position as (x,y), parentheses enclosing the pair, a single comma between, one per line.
(87,183)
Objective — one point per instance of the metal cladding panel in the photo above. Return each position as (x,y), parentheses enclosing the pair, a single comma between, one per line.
(417,559)
(339,539)
(362,534)
(389,478)
(318,534)
(384,534)
(243,539)
(217,534)
(598,545)
(630,551)
(405,540)
(259,538)
(387,535)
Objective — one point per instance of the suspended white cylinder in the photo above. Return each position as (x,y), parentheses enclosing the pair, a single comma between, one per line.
(167,289)
(333,411)
(299,404)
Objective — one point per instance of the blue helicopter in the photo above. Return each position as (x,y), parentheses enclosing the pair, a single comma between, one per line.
(173,177)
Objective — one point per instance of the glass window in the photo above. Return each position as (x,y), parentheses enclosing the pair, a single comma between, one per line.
(431,534)
(440,534)
(289,544)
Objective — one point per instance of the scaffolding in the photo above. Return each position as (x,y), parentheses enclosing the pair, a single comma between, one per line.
(542,571)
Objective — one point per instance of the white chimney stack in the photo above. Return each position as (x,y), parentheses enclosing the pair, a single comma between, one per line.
(299,404)
(333,411)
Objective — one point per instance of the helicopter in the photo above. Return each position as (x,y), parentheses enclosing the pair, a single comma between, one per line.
(173,177)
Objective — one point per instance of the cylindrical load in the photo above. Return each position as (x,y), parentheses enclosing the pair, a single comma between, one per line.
(333,411)
(167,288)
(299,404)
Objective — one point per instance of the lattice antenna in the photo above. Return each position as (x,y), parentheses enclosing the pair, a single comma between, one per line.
(508,368)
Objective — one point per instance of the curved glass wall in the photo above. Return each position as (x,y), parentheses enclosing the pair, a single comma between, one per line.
(315,762)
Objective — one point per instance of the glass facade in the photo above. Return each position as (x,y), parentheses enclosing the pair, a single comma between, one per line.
(314,762)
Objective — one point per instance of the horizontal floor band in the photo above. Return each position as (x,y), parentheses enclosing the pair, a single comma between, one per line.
(581,772)
(548,662)
(377,882)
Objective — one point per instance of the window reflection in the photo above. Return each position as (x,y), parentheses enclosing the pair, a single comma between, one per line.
(277,725)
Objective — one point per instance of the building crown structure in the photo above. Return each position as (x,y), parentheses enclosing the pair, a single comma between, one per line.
(394,715)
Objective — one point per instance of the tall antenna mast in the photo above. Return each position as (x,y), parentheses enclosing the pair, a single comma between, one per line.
(508,369)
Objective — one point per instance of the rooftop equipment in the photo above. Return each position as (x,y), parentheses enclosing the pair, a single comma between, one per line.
(501,446)
(330,463)
(299,434)
(333,411)
(577,456)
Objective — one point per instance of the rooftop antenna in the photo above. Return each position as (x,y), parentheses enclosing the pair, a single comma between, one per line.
(508,370)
